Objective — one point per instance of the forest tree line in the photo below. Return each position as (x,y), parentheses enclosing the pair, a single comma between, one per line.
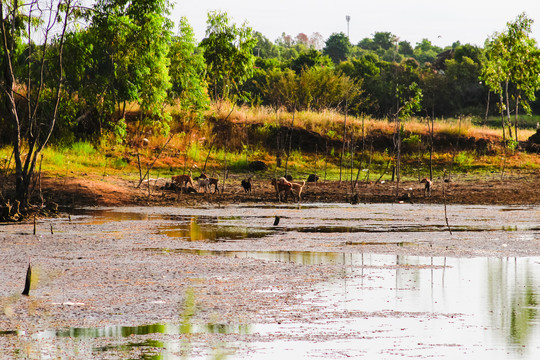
(131,51)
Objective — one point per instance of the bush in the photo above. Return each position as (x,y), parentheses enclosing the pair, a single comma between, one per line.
(464,159)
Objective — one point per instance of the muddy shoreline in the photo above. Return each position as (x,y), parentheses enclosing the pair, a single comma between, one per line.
(511,189)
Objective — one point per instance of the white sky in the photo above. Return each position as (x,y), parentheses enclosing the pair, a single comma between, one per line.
(442,22)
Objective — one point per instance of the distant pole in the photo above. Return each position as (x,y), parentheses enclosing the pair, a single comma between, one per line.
(348,18)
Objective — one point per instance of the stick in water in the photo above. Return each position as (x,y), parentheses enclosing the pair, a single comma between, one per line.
(444,199)
(26,290)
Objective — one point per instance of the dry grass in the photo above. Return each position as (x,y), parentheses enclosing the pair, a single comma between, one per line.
(330,122)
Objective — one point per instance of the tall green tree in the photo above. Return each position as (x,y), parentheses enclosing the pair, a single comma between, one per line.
(228,52)
(309,59)
(513,64)
(465,94)
(425,51)
(338,47)
(264,47)
(187,72)
(130,43)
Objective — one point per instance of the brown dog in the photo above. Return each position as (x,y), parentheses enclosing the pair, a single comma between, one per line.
(282,185)
(182,180)
(213,181)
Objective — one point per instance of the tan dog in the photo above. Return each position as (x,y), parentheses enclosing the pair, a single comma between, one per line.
(297,189)
(182,180)
(428,186)
(282,185)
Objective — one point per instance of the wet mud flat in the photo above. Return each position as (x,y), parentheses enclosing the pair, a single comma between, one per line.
(328,281)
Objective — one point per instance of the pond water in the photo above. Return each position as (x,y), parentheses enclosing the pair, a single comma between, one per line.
(422,307)
(379,306)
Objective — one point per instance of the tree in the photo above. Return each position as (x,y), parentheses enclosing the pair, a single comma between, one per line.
(465,92)
(410,97)
(322,87)
(32,108)
(309,59)
(301,38)
(316,41)
(187,72)
(128,62)
(338,47)
(405,48)
(524,64)
(285,40)
(383,40)
(264,47)
(424,51)
(228,52)
(513,61)
(152,42)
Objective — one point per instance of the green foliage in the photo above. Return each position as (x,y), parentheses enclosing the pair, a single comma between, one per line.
(405,48)
(268,130)
(316,88)
(264,48)
(83,148)
(332,135)
(187,69)
(464,159)
(512,145)
(424,51)
(126,58)
(411,98)
(308,60)
(120,130)
(239,165)
(513,58)
(412,139)
(338,47)
(462,82)
(129,42)
(228,52)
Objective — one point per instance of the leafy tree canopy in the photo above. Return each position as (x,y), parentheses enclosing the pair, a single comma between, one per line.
(187,71)
(338,47)
(228,52)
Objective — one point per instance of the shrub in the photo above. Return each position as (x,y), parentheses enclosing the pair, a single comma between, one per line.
(464,159)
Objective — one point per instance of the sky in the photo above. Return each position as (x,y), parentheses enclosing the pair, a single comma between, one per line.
(441,22)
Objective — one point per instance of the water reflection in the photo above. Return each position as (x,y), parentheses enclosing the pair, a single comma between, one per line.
(208,229)
(51,343)
(485,303)
(170,329)
(480,303)
(514,295)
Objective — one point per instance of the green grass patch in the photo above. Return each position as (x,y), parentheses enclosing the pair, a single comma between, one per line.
(524,121)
